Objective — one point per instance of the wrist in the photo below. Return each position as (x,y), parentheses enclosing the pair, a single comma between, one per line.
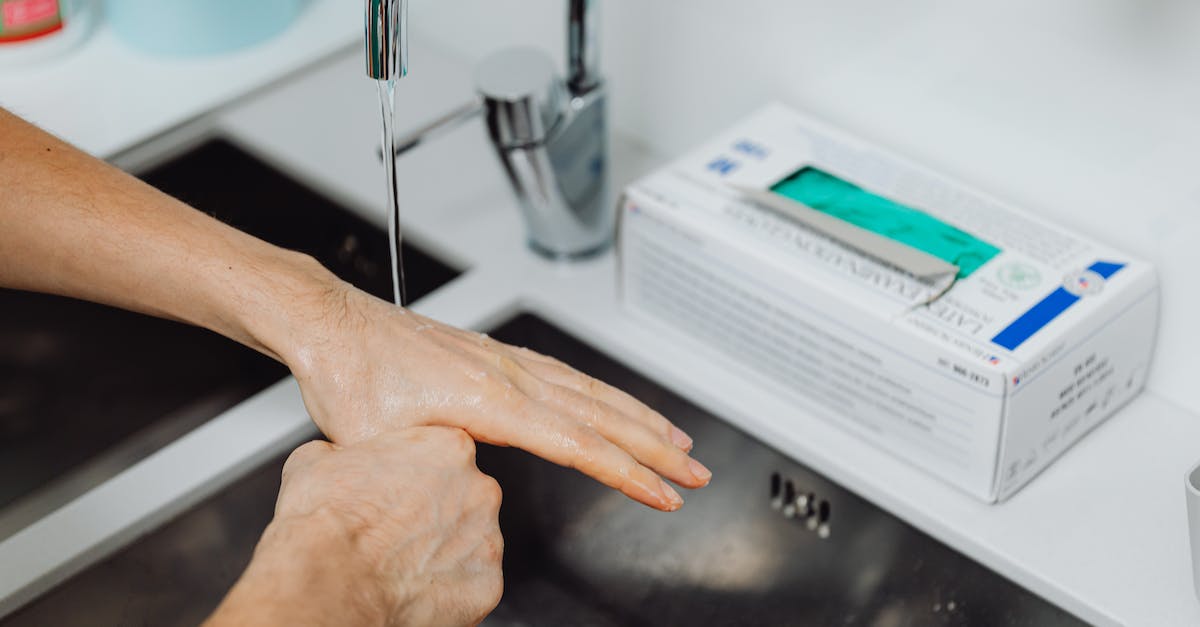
(277,302)
(318,326)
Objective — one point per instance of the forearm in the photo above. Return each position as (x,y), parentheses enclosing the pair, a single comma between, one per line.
(78,227)
(72,225)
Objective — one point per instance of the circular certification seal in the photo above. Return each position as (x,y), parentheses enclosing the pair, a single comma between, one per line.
(1017,275)
(1083,282)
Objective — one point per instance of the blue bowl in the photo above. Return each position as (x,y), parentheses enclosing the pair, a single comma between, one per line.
(199,27)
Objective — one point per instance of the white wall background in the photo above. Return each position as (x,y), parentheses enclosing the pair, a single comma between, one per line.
(1087,111)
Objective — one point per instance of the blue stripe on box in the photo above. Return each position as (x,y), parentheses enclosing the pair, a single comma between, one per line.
(1033,320)
(1046,310)
(1105,268)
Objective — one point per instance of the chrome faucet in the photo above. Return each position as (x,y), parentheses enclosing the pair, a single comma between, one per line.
(386,38)
(550,133)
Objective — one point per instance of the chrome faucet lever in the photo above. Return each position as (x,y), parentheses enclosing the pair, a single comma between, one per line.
(436,128)
(553,147)
(550,133)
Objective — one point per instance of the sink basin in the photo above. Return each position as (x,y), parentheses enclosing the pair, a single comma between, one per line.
(577,553)
(87,390)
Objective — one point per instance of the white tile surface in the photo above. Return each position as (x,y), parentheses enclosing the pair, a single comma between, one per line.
(108,96)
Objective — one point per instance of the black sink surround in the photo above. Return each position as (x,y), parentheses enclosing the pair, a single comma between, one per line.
(77,379)
(577,553)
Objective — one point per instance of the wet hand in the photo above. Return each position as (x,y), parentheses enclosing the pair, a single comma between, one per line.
(399,529)
(367,366)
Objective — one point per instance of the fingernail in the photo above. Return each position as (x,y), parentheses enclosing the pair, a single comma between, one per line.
(672,497)
(680,439)
(699,471)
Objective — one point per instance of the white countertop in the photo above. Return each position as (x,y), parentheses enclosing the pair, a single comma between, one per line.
(107,96)
(1101,532)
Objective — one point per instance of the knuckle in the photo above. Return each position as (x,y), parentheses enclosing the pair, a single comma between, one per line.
(460,442)
(305,454)
(589,439)
(625,469)
(591,450)
(513,401)
(594,387)
(463,440)
(514,372)
(492,495)
(538,389)
(485,341)
(658,421)
(544,358)
(598,411)
(498,387)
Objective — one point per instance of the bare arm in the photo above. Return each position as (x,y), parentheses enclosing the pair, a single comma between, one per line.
(78,227)
(75,226)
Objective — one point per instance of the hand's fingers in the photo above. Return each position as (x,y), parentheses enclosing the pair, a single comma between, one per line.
(649,448)
(534,427)
(563,375)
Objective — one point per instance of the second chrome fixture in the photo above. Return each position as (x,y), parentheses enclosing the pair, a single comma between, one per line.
(551,133)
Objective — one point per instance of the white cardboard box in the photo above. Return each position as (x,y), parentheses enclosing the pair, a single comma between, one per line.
(983,383)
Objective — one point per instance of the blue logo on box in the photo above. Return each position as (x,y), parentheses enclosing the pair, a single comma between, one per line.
(750,148)
(722,165)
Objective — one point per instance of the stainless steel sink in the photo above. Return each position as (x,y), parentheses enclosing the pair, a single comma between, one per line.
(87,390)
(770,542)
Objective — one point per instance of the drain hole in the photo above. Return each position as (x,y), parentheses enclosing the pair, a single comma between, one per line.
(804,504)
(789,499)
